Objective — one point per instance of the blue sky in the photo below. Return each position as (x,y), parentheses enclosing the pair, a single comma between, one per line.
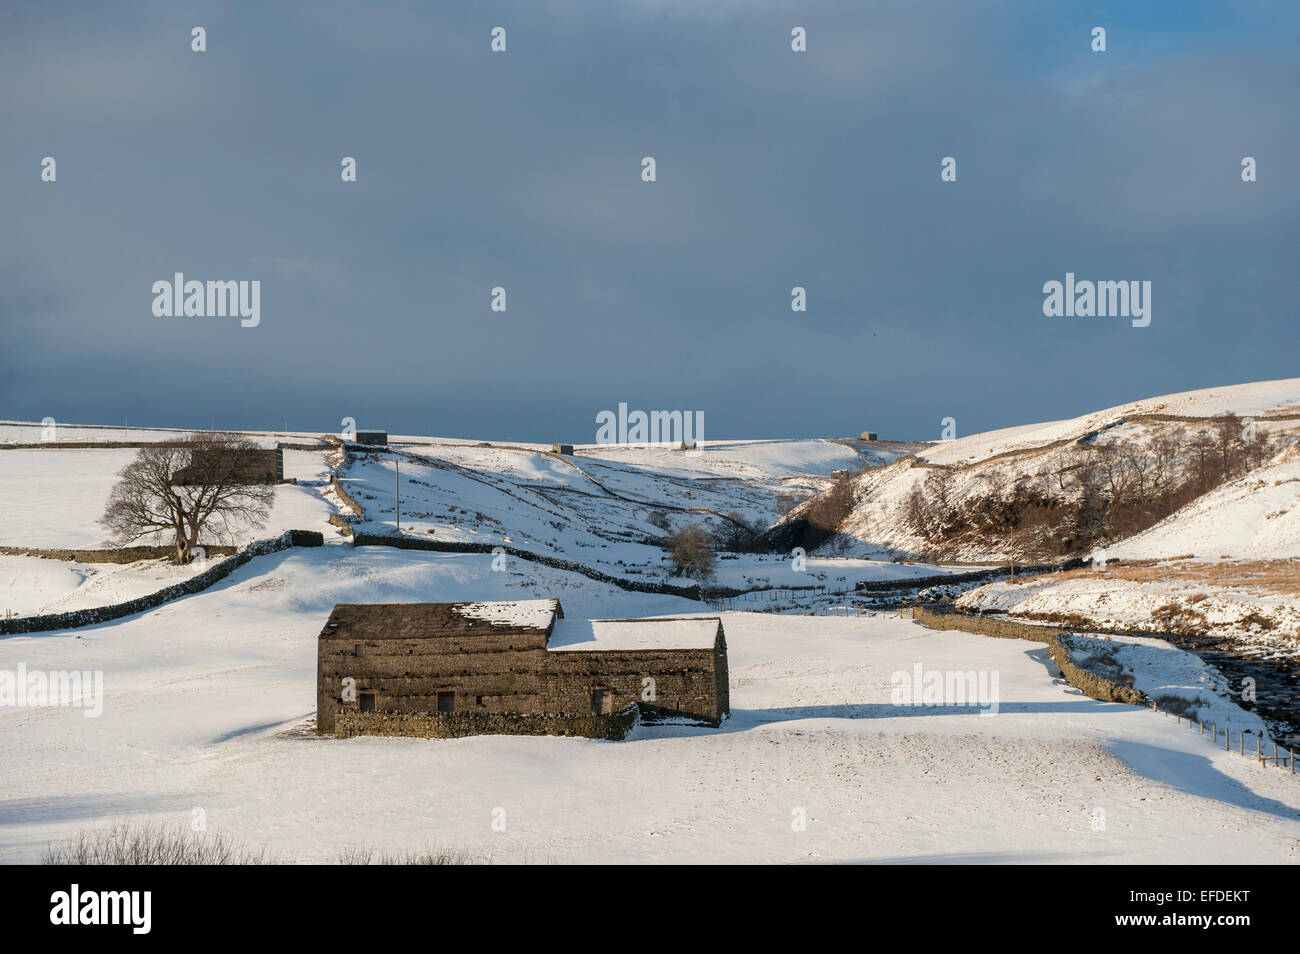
(522,169)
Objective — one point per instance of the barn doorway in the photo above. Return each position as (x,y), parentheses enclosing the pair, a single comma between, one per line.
(446,702)
(602,702)
(366,701)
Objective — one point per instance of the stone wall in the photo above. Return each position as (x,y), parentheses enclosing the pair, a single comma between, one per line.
(690,592)
(344,496)
(1058,647)
(1092,684)
(103,614)
(254,466)
(118,555)
(424,725)
(973,576)
(83,445)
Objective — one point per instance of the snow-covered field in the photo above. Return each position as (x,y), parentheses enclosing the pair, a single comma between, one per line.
(53,498)
(199,693)
(206,698)
(30,586)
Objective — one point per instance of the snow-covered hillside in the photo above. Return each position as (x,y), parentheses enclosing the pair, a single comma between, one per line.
(1044,455)
(1256,517)
(1262,399)
(207,697)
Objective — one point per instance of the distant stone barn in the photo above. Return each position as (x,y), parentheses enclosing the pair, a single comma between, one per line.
(440,670)
(250,466)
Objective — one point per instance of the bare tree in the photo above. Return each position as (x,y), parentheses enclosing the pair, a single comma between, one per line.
(927,507)
(691,551)
(198,485)
(735,534)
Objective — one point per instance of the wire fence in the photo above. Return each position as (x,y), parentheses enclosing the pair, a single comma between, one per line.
(1261,754)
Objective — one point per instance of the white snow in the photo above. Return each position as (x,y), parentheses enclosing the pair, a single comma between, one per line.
(199,691)
(54,498)
(1164,672)
(1108,601)
(30,586)
(1257,398)
(1255,517)
(532,614)
(601,634)
(202,693)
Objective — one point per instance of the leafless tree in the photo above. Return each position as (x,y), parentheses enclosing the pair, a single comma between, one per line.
(691,551)
(197,485)
(735,534)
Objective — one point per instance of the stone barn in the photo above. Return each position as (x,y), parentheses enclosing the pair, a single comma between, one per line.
(255,466)
(564,449)
(372,438)
(440,670)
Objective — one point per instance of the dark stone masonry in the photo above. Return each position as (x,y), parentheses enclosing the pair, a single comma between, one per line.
(438,670)
(254,466)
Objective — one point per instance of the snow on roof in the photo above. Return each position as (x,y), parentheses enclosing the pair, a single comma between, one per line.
(600,634)
(432,620)
(534,614)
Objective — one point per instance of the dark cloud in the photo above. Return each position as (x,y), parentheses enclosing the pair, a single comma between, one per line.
(522,170)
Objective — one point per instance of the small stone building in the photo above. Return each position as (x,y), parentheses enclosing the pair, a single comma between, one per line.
(566,449)
(868,436)
(453,669)
(372,438)
(253,466)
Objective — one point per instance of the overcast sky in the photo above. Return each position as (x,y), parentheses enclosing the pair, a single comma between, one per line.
(522,169)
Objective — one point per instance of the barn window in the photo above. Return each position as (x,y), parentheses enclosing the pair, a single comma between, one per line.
(359,650)
(366,700)
(446,702)
(478,700)
(602,702)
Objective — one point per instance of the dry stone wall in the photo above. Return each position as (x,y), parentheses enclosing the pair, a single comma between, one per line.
(195,584)
(424,725)
(1058,647)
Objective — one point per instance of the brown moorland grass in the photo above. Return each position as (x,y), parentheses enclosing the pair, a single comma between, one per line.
(1271,577)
